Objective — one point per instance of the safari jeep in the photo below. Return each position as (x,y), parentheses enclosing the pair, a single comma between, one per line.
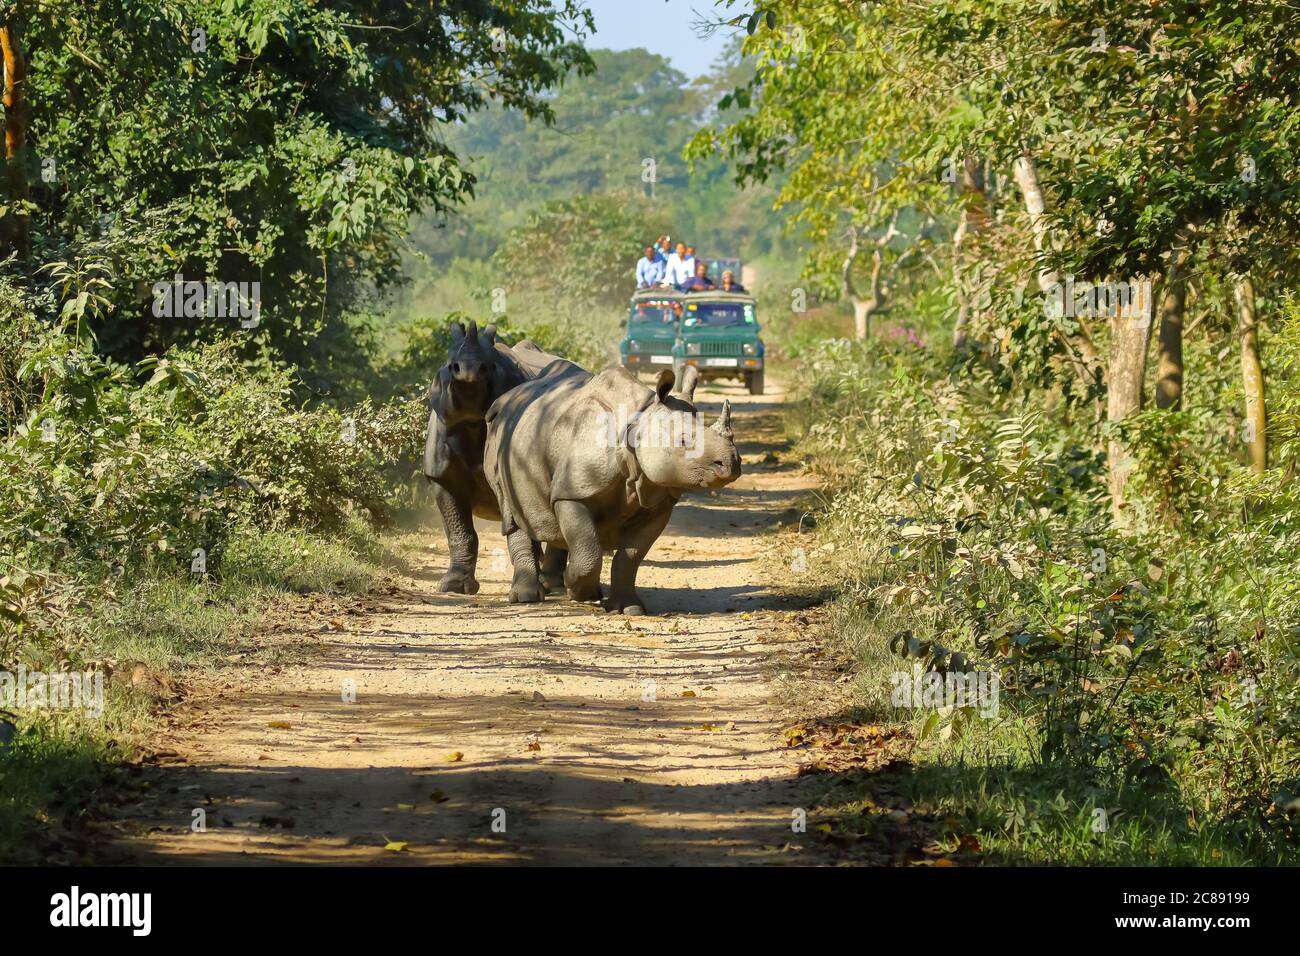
(651,322)
(719,336)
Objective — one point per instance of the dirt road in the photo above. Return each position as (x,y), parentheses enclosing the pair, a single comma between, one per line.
(488,732)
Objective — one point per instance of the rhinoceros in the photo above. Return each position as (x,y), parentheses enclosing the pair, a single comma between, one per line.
(588,464)
(479,370)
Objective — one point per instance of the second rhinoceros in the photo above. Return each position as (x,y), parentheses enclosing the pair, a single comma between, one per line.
(479,370)
(591,464)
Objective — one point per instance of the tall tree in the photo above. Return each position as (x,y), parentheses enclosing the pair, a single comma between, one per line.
(1137,133)
(14,220)
(267,140)
(1252,374)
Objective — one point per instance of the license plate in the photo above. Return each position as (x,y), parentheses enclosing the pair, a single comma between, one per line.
(721,361)
(661,360)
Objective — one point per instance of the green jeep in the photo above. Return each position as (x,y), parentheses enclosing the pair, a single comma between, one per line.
(652,320)
(719,336)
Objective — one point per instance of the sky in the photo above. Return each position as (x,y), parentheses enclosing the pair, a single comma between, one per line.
(660,26)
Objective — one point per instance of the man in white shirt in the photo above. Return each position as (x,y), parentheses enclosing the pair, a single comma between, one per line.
(680,267)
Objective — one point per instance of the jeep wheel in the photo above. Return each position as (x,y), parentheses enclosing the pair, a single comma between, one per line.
(755,382)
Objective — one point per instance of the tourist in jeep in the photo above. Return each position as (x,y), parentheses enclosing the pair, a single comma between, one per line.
(679,268)
(649,270)
(729,283)
(700,282)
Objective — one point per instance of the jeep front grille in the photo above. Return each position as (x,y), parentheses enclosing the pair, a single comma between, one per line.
(719,348)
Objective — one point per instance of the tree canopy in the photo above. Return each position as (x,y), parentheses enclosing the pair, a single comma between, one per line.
(277,142)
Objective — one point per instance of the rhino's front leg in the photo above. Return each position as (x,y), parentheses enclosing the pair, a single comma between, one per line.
(552,571)
(525,587)
(462,542)
(637,538)
(582,576)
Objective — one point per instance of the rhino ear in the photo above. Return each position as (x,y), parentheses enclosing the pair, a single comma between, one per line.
(664,386)
(723,425)
(457,333)
(433,394)
(686,387)
(490,335)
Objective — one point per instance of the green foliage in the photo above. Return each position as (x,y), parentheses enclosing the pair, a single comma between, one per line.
(118,465)
(277,142)
(634,107)
(829,116)
(973,535)
(581,251)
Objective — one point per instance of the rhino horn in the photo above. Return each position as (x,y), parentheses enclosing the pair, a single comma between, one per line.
(472,333)
(723,425)
(664,385)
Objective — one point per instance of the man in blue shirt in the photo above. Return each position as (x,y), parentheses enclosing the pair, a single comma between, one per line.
(649,270)
(700,282)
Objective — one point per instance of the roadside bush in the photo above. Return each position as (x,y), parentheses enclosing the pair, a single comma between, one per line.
(972,534)
(114,476)
(121,465)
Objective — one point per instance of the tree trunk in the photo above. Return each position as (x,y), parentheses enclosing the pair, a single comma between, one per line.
(1130,336)
(1169,369)
(862,318)
(1173,313)
(1080,349)
(1252,375)
(1026,174)
(15,121)
(974,215)
(865,307)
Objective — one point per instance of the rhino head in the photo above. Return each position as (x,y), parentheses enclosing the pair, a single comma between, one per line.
(673,447)
(471,364)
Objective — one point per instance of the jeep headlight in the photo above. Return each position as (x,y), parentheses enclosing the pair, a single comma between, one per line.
(692,348)
(750,348)
(633,345)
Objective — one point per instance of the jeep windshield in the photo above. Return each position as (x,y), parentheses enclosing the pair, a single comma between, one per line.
(655,313)
(718,315)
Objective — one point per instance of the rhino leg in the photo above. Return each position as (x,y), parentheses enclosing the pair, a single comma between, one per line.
(462,542)
(582,576)
(552,571)
(637,538)
(525,587)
